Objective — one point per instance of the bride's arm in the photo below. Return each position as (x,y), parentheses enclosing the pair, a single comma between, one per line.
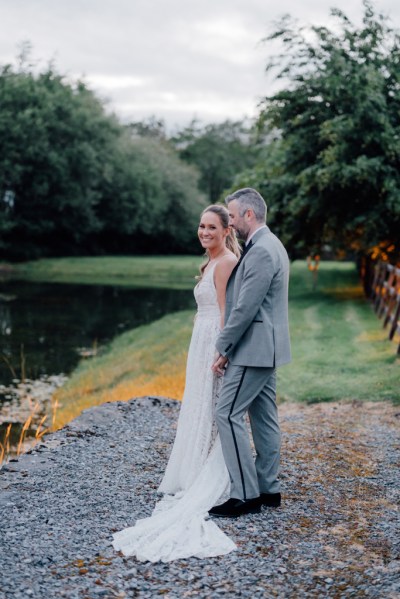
(222,273)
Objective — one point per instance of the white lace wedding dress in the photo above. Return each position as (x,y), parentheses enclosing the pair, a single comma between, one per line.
(196,477)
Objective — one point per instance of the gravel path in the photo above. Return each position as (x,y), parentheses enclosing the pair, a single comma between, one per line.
(336,535)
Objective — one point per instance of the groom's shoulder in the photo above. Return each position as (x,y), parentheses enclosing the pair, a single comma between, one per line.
(268,240)
(270,244)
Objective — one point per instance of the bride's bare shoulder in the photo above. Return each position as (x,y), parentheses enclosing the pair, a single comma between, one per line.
(225,266)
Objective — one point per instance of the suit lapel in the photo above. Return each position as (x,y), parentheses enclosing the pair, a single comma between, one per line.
(246,249)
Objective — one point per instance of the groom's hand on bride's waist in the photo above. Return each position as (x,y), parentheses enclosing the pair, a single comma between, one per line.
(219,364)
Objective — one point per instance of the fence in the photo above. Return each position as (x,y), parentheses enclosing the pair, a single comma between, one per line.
(384,292)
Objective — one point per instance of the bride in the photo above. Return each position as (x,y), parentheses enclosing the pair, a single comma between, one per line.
(196,477)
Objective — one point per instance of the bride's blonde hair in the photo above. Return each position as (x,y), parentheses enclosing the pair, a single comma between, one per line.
(231,241)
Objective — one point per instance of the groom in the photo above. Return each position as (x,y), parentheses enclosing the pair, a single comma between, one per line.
(253,342)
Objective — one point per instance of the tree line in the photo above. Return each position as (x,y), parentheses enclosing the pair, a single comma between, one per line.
(74,180)
(324,151)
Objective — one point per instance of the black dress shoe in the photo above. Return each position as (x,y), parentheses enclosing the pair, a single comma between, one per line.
(270,499)
(236,507)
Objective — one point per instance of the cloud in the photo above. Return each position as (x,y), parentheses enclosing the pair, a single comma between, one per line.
(171,58)
(117,82)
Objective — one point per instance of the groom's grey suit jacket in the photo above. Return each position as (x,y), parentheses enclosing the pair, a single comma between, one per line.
(256,331)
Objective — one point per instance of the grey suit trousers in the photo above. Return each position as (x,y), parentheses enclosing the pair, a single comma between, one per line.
(251,389)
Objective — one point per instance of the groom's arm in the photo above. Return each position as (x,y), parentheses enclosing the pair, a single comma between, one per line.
(258,274)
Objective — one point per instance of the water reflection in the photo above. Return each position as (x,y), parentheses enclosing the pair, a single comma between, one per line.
(46,326)
(5,318)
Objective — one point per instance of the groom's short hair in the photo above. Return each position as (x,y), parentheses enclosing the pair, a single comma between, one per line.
(248,198)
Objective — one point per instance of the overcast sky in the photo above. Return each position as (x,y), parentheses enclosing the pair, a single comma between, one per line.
(175,59)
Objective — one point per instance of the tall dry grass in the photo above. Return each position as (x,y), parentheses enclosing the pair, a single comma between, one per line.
(37,425)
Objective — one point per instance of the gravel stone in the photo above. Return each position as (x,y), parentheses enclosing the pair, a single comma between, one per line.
(336,534)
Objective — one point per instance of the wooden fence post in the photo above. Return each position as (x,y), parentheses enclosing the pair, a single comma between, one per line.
(385,296)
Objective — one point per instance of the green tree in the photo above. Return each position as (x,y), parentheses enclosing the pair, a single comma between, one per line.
(151,201)
(55,143)
(219,151)
(332,172)
(150,127)
(74,180)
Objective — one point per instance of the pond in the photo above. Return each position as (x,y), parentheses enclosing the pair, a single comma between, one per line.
(45,328)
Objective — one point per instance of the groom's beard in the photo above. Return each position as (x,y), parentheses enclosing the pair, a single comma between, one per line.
(240,234)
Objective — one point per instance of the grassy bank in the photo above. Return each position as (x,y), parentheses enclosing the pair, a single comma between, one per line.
(339,351)
(173,272)
(149,360)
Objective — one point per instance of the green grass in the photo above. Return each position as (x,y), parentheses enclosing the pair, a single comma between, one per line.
(173,272)
(339,348)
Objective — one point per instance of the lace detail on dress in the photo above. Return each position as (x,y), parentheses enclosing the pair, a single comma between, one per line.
(195,424)
(196,477)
